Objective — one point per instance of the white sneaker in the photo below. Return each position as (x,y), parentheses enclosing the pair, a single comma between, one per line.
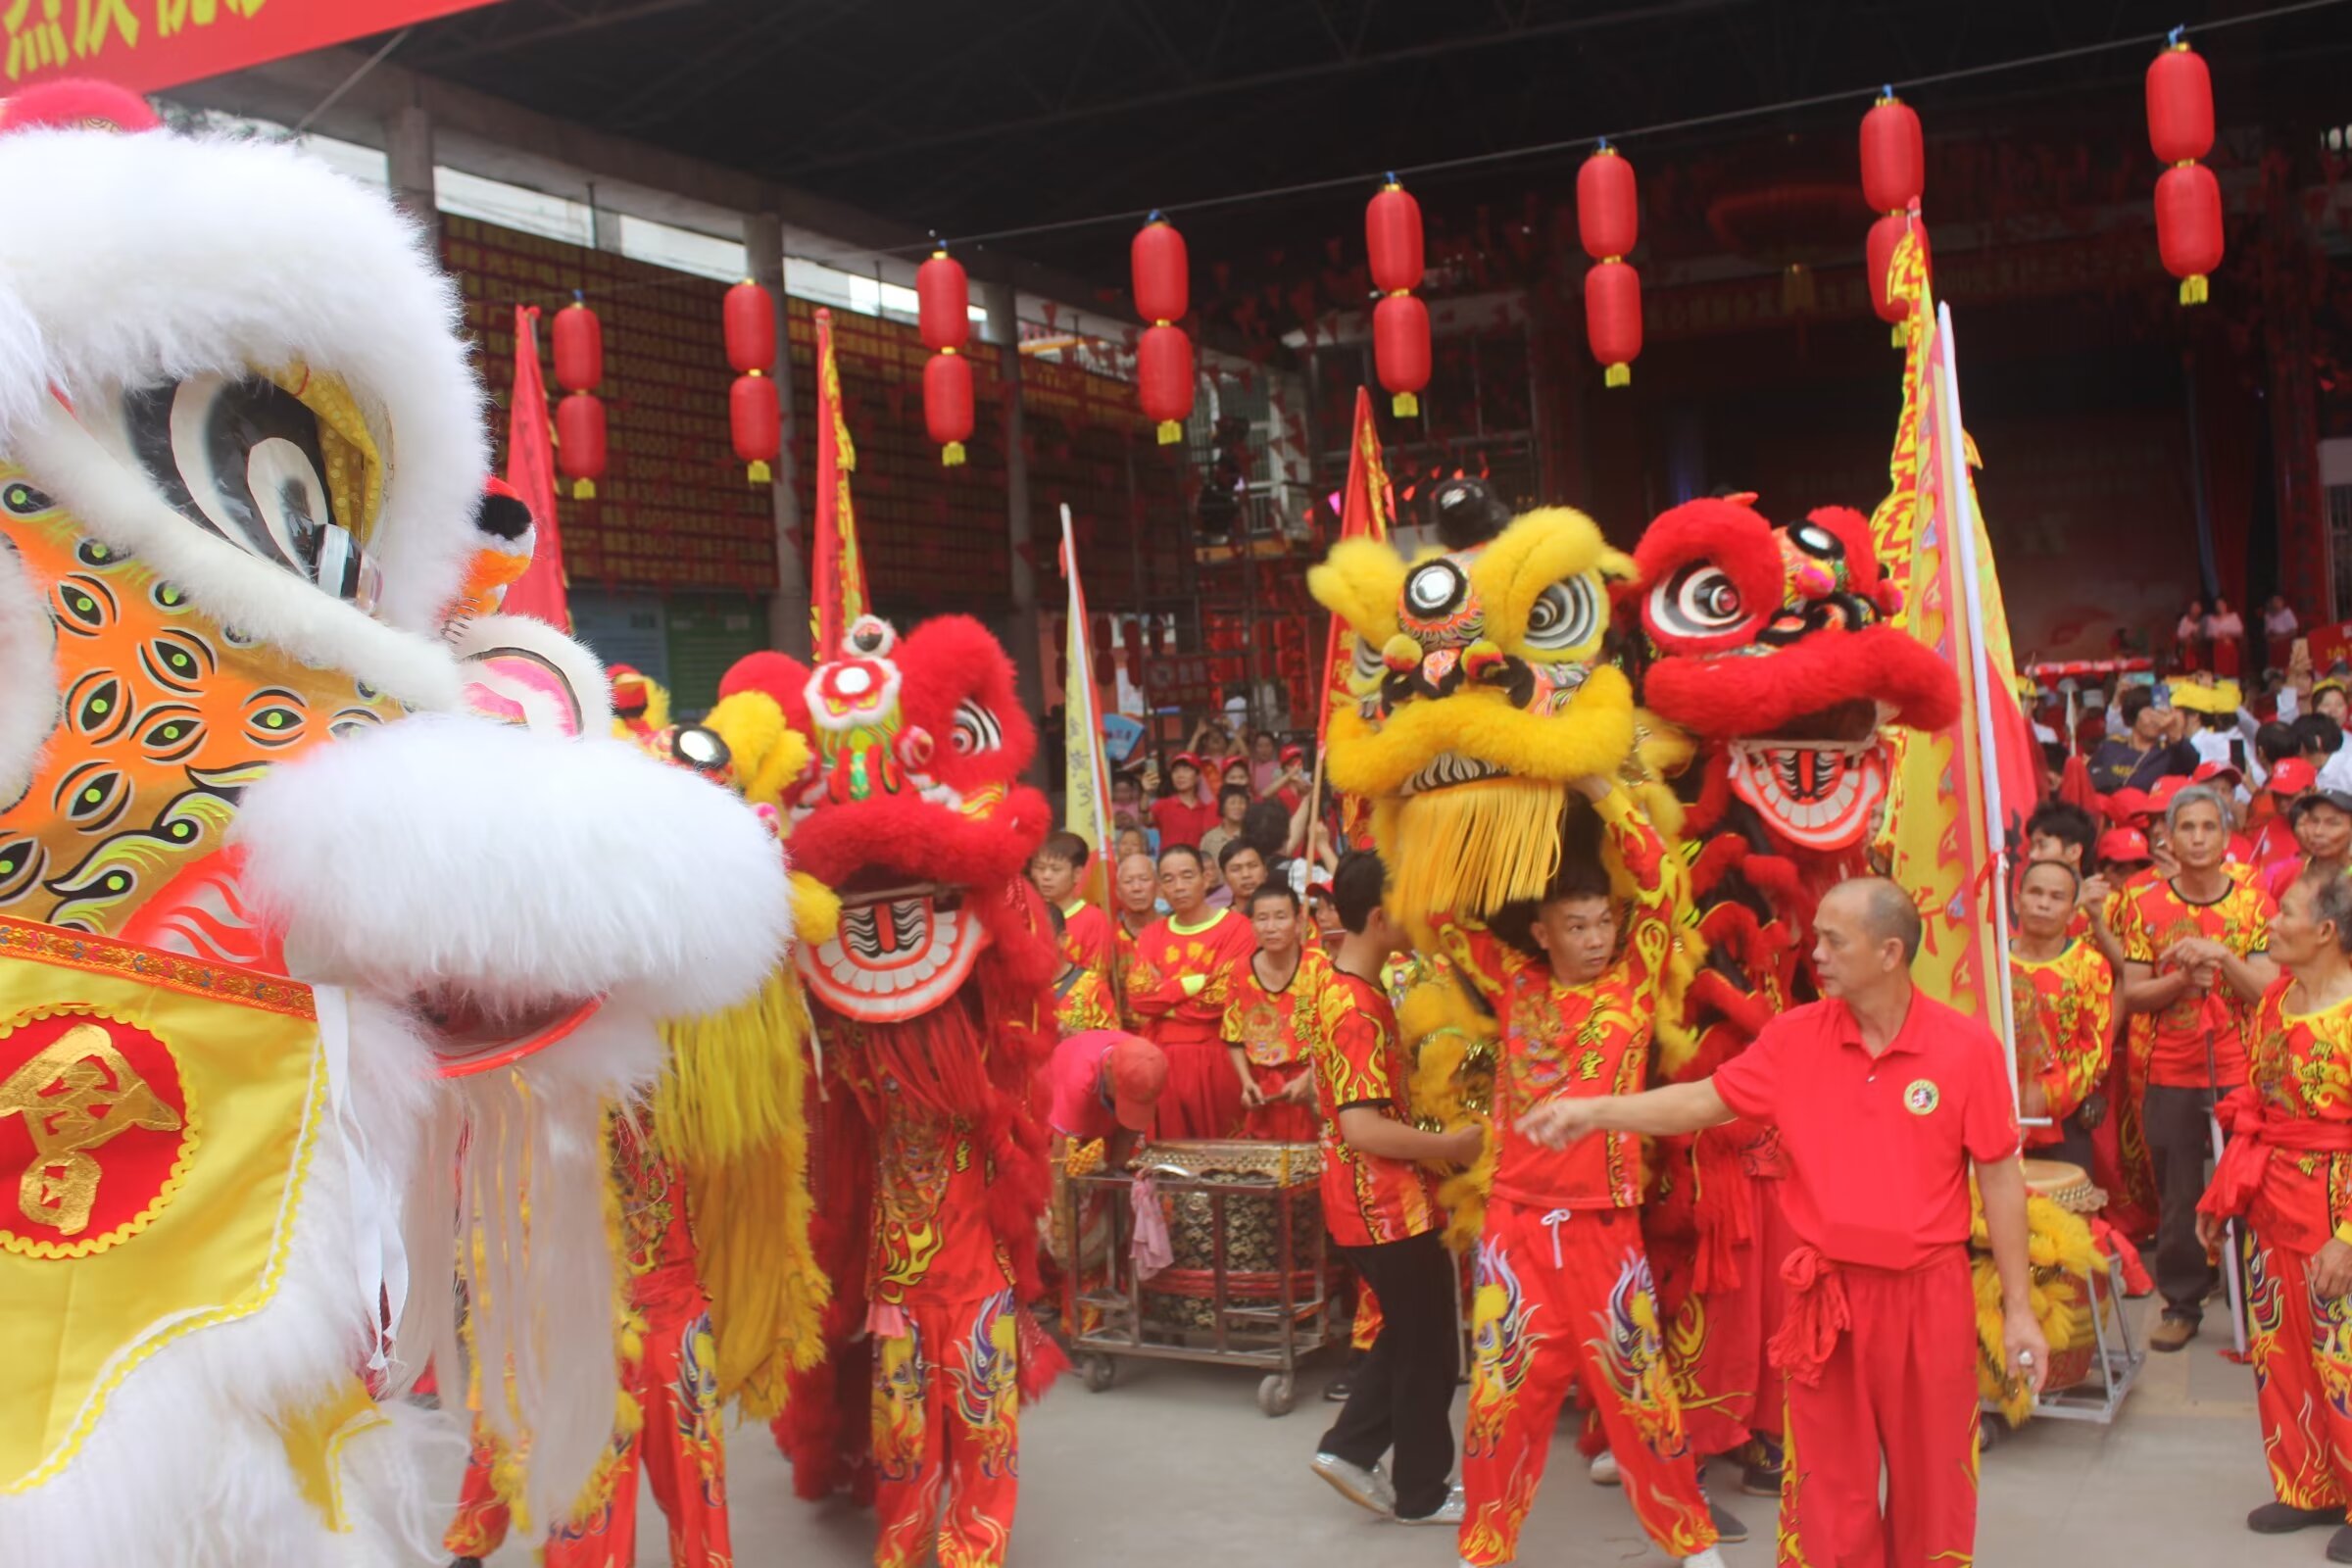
(1448,1512)
(1709,1558)
(1604,1470)
(1368,1490)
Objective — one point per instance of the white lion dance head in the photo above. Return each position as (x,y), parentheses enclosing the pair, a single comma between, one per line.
(330,917)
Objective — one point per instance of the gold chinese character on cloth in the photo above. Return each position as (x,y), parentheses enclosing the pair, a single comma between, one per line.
(75,1095)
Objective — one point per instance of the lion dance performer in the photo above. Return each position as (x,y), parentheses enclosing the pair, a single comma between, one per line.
(934,1006)
(1479,701)
(1769,646)
(709,1199)
(299,835)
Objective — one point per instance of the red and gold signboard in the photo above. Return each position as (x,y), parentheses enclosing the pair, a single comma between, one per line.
(147,45)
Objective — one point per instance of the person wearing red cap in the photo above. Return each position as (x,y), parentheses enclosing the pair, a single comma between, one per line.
(1177,988)
(1273,1021)
(1184,813)
(1885,1101)
(2270,820)
(2063,994)
(2286,1178)
(1104,1086)
(2194,959)
(2321,820)
(1560,1249)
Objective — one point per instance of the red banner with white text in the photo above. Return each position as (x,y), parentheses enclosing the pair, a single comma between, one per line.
(147,45)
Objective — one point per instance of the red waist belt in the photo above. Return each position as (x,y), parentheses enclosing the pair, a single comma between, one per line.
(1817,1313)
(2254,1130)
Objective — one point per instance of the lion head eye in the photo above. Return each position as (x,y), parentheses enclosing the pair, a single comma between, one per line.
(1564,615)
(1700,600)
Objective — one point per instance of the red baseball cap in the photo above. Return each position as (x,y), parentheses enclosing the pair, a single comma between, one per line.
(2160,798)
(2125,845)
(2207,772)
(1294,752)
(1184,759)
(2293,776)
(2128,806)
(1138,1071)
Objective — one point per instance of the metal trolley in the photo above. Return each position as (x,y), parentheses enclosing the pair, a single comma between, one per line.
(1249,1283)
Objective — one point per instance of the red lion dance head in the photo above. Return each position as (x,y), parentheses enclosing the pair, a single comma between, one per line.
(1773,644)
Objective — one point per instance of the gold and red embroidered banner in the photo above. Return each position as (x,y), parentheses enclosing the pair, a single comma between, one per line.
(147,45)
(158,1118)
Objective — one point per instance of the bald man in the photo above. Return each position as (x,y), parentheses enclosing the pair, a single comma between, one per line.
(1883,1099)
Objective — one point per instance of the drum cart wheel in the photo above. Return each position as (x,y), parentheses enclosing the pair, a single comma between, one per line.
(1099,1371)
(1277,1394)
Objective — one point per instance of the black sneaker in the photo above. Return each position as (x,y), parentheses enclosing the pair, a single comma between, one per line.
(1336,1391)
(464,1562)
(1728,1528)
(2340,1545)
(2285,1518)
(1759,1482)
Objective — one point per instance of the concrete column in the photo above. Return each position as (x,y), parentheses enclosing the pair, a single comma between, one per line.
(408,150)
(1004,330)
(603,226)
(788,607)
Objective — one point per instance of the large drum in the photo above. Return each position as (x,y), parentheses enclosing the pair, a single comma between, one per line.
(1268,1179)
(2073,1353)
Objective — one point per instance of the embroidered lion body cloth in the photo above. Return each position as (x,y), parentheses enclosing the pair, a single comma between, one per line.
(330,917)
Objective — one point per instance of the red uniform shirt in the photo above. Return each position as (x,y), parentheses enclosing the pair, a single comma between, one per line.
(2152,918)
(1182,822)
(1082,1001)
(1276,1028)
(1572,1041)
(2302,1066)
(2065,1009)
(1367,1200)
(1086,936)
(1878,1149)
(1167,1008)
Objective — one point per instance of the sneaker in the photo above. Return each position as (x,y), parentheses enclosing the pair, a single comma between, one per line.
(1448,1512)
(1366,1489)
(1336,1392)
(1728,1528)
(2340,1545)
(1604,1471)
(1709,1558)
(2172,1334)
(1759,1481)
(2285,1518)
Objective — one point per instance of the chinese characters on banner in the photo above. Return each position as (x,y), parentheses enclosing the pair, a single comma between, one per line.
(147,45)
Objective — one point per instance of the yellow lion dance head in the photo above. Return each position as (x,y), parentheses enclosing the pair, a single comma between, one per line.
(1478,690)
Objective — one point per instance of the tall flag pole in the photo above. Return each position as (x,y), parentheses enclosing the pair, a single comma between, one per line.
(837,571)
(1086,783)
(1364,514)
(541,592)
(1961,795)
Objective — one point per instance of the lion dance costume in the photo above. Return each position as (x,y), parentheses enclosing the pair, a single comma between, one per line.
(1479,694)
(328,916)
(1769,646)
(934,1006)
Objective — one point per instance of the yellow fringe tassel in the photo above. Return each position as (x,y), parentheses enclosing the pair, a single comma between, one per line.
(733,1113)
(2062,1254)
(1473,846)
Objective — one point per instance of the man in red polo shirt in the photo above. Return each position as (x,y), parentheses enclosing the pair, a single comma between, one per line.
(1884,1099)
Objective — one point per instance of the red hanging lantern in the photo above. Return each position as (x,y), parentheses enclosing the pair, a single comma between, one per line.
(1164,379)
(1613,319)
(1894,175)
(944,308)
(1881,254)
(1608,220)
(1401,350)
(1163,360)
(1132,635)
(948,405)
(2189,199)
(1894,157)
(580,442)
(1399,321)
(579,342)
(1098,637)
(755,421)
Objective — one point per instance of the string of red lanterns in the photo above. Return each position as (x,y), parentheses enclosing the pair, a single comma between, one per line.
(1163,356)
(944,308)
(579,339)
(2189,199)
(1894,175)
(755,414)
(1608,220)
(1401,320)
